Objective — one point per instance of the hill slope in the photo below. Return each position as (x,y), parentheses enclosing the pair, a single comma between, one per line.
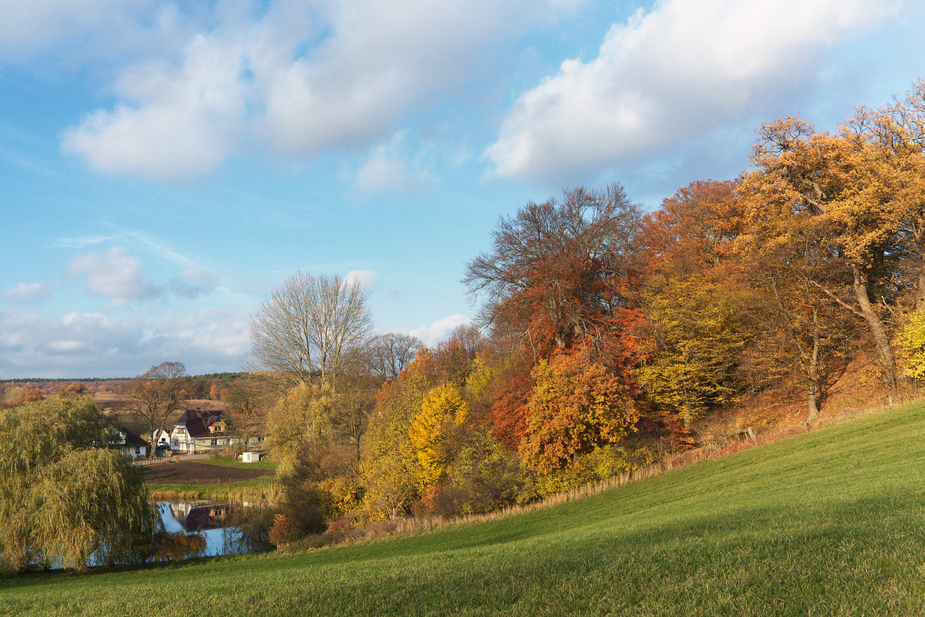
(827,523)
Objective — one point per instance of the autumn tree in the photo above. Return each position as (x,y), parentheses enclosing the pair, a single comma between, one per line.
(300,420)
(693,232)
(899,131)
(311,326)
(352,405)
(556,270)
(844,194)
(694,296)
(798,331)
(65,496)
(698,335)
(390,467)
(72,389)
(554,281)
(157,394)
(249,400)
(577,406)
(435,431)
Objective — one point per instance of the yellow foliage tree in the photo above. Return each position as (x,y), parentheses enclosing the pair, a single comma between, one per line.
(302,416)
(443,413)
(388,462)
(699,334)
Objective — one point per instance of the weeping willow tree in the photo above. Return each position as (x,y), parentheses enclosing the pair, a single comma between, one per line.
(66,496)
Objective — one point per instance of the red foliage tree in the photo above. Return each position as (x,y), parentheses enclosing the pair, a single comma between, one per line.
(556,282)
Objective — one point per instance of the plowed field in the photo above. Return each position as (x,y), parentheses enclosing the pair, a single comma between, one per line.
(197,473)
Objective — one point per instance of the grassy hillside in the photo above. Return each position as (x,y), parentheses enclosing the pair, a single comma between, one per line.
(826,523)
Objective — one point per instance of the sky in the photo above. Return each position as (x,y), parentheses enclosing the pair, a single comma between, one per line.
(165,165)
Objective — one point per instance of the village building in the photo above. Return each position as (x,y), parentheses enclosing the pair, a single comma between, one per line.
(198,431)
(131,444)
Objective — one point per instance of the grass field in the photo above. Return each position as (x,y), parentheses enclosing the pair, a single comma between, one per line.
(831,522)
(228,461)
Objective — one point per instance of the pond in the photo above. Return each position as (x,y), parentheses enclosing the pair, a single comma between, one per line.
(206,519)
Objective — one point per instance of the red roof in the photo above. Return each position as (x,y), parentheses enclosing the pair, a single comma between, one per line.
(197,422)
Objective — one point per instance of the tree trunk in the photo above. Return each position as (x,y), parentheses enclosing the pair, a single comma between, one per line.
(813,381)
(877,329)
(920,287)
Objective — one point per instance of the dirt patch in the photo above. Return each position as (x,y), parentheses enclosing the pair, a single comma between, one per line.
(198,473)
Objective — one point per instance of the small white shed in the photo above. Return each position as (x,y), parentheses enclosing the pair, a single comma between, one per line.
(251,457)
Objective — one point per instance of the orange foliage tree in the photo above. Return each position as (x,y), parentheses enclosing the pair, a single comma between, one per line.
(554,282)
(577,405)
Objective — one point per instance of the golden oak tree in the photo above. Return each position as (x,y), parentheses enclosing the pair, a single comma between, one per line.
(843,195)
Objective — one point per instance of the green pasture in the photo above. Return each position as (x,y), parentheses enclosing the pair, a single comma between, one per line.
(228,461)
(831,522)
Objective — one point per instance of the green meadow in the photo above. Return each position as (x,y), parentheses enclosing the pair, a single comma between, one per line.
(830,522)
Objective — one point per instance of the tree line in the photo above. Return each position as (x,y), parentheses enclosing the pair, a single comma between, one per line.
(605,333)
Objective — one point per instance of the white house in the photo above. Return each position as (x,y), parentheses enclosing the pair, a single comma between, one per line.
(201,431)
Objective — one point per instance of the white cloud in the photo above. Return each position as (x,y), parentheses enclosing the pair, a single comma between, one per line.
(98,345)
(365,277)
(295,78)
(194,282)
(210,335)
(77,345)
(390,167)
(30,25)
(27,292)
(671,74)
(440,330)
(180,122)
(115,274)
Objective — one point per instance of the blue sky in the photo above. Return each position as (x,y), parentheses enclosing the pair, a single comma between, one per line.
(164,166)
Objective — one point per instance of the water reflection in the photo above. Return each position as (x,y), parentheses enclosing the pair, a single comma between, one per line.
(209,520)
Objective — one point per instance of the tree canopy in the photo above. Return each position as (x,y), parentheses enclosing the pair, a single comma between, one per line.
(66,497)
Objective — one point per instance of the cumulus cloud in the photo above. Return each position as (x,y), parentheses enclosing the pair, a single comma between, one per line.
(440,330)
(194,282)
(296,79)
(27,292)
(78,345)
(115,274)
(668,75)
(212,336)
(178,122)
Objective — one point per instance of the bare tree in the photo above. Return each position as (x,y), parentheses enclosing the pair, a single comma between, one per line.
(391,353)
(249,399)
(311,326)
(158,393)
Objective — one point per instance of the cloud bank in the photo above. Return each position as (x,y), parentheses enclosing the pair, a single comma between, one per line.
(294,80)
(668,75)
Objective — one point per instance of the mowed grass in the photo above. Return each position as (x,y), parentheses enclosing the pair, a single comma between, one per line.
(229,461)
(831,522)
